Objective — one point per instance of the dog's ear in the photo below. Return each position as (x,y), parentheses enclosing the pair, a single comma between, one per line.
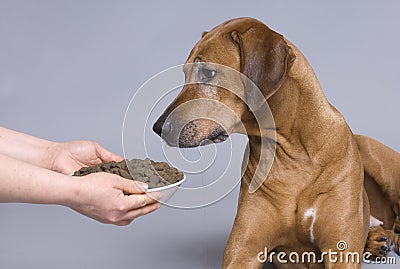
(265,58)
(203,34)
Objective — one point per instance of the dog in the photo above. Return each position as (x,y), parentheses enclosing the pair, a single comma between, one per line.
(314,195)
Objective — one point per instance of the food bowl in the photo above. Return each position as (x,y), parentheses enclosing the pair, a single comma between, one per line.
(155,174)
(166,191)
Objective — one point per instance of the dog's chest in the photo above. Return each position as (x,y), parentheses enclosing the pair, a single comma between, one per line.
(305,220)
(308,221)
(301,213)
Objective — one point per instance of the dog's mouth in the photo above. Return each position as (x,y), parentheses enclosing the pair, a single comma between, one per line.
(218,135)
(215,138)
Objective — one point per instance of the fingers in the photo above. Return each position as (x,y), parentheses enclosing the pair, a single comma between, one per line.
(130,186)
(140,200)
(142,211)
(135,206)
(107,156)
(133,214)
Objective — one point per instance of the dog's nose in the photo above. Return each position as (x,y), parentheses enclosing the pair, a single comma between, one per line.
(162,127)
(157,127)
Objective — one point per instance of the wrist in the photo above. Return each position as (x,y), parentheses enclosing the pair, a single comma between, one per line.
(50,152)
(70,193)
(63,190)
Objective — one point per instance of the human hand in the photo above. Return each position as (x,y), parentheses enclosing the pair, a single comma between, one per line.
(100,196)
(70,156)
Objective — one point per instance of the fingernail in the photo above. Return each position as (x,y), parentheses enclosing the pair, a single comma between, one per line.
(143,186)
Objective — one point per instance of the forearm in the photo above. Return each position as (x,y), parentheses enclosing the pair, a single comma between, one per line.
(25,183)
(25,147)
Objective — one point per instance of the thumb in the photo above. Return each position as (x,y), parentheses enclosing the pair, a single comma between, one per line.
(130,186)
(107,156)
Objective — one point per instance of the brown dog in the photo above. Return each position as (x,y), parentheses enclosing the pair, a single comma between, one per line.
(313,196)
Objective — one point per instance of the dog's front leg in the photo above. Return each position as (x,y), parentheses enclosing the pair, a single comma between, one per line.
(253,232)
(342,246)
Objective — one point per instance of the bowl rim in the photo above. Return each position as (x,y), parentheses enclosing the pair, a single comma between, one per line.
(167,186)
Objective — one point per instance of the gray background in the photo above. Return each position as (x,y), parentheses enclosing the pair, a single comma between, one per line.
(69,68)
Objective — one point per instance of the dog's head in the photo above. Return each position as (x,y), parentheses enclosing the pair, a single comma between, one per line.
(204,112)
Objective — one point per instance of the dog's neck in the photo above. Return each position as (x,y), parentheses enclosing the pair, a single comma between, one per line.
(300,105)
(303,117)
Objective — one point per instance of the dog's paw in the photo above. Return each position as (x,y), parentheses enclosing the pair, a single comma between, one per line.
(378,242)
(397,244)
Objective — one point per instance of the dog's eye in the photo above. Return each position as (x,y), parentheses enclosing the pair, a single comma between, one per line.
(205,75)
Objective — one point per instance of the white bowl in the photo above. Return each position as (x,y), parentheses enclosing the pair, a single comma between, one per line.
(166,191)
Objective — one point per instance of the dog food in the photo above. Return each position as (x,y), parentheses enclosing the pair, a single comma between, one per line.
(155,174)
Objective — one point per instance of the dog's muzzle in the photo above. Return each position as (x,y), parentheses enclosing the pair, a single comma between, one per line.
(190,135)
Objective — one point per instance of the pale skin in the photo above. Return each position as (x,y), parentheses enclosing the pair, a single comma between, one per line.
(33,170)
